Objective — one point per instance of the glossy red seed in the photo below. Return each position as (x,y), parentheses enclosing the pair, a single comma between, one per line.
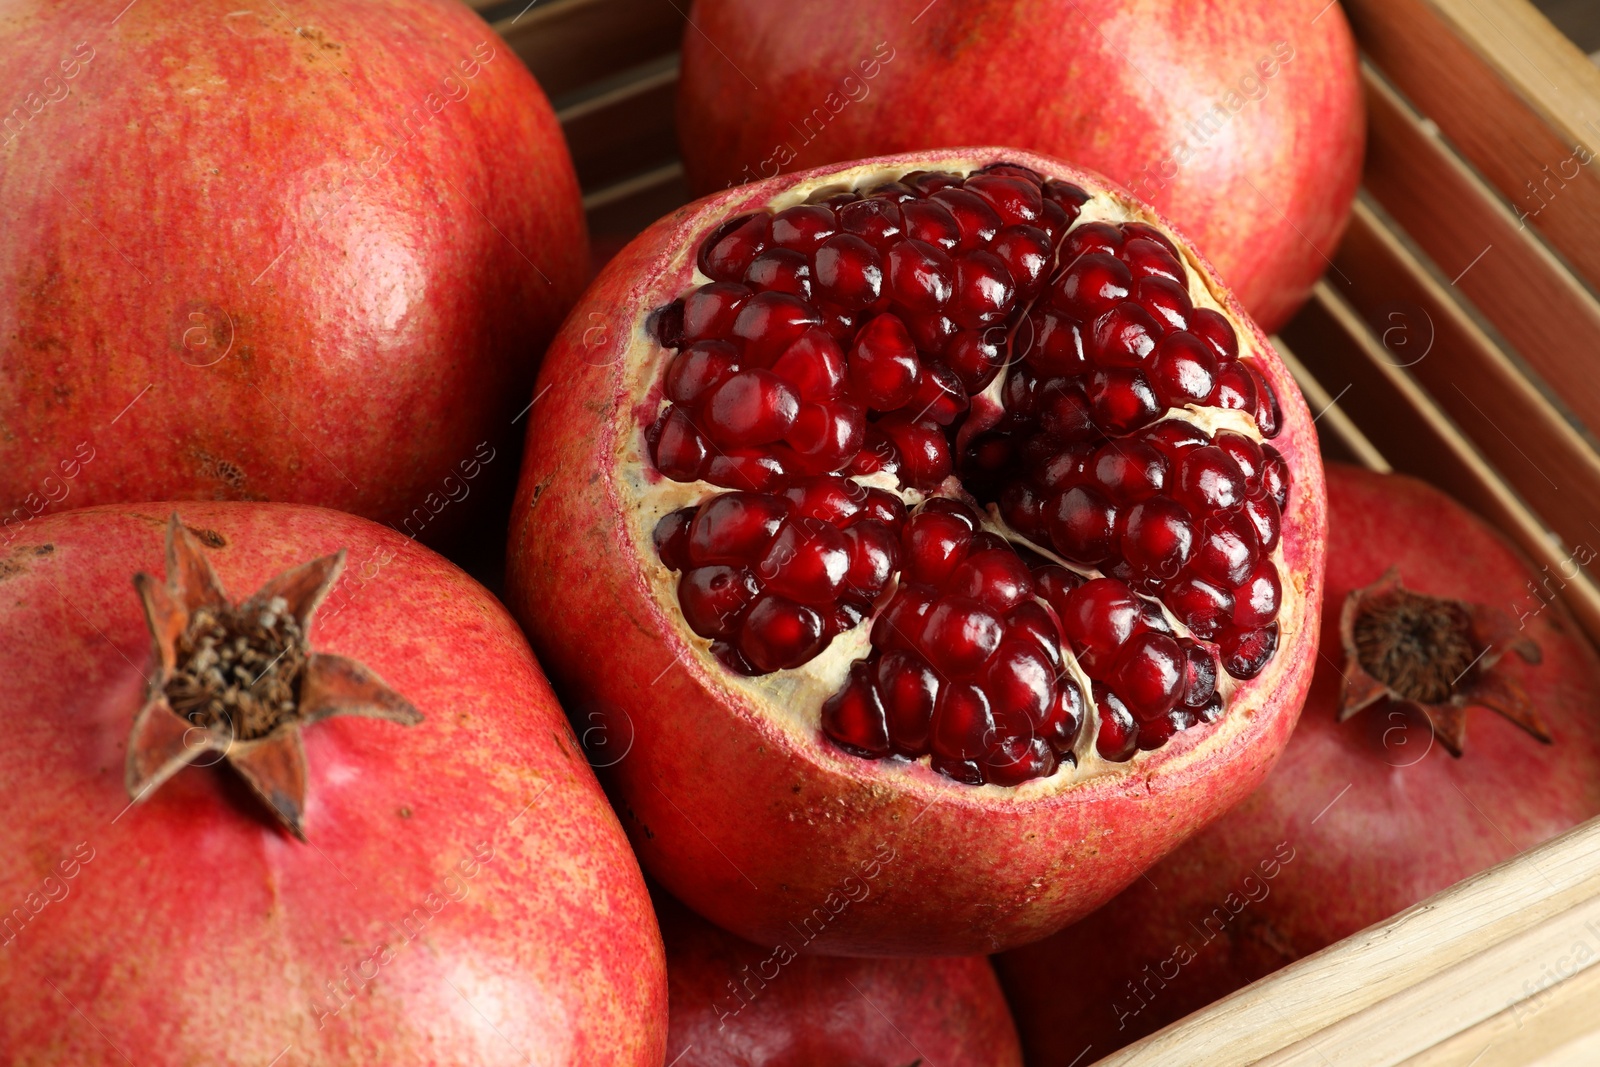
(1054,582)
(807,562)
(977,221)
(930,222)
(803,227)
(1157,537)
(899,625)
(909,688)
(1236,388)
(918,277)
(1092,238)
(1118,734)
(1065,717)
(1199,676)
(698,368)
(1020,683)
(997,577)
(1216,331)
(1064,412)
(1016,200)
(1024,511)
(1183,371)
(984,290)
(1148,674)
(1159,731)
(752,407)
(1097,618)
(1166,300)
(940,397)
(1174,437)
(1265,520)
(666,325)
(780,270)
(933,544)
(928,182)
(1018,759)
(883,367)
(960,635)
(727,252)
(1245,653)
(1070,197)
(1256,602)
(709,311)
(1247,454)
(875,220)
(1122,400)
(963,724)
(831,499)
(885,507)
(1275,475)
(1201,606)
(735,527)
(1209,480)
(1130,471)
(1093,284)
(714,598)
(1227,550)
(779,634)
(1082,525)
(814,365)
(976,356)
(1147,258)
(1124,336)
(671,538)
(848,273)
(768,323)
(679,449)
(923,452)
(1025,251)
(825,436)
(1269,416)
(874,556)
(1053,342)
(1032,621)
(854,717)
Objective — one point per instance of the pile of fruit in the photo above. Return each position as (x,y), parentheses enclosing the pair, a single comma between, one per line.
(922,541)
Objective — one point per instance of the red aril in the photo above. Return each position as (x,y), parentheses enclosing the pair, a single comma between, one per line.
(1364,817)
(1243,123)
(734,1003)
(461,891)
(918,640)
(274,254)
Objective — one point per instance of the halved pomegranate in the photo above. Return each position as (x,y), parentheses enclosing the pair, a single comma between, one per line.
(943,501)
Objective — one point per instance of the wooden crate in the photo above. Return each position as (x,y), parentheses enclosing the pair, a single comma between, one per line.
(1456,337)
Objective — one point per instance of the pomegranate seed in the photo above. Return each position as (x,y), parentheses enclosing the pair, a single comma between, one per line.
(1199,676)
(886,508)
(1209,480)
(1032,621)
(1175,437)
(897,192)
(875,220)
(671,537)
(976,220)
(727,253)
(1024,511)
(1204,608)
(874,557)
(780,270)
(918,277)
(960,634)
(997,577)
(1018,759)
(1157,537)
(1255,602)
(779,634)
(1119,734)
(1093,284)
(1068,196)
(679,450)
(1025,251)
(1056,344)
(714,598)
(709,311)
(939,397)
(700,367)
(1227,551)
(930,222)
(898,626)
(1246,652)
(1167,301)
(803,228)
(1149,674)
(768,323)
(735,527)
(1013,170)
(1097,618)
(666,324)
(752,407)
(963,725)
(849,272)
(1021,685)
(1065,718)
(1082,525)
(1148,259)
(1054,583)
(1216,331)
(1183,371)
(1264,520)
(1247,454)
(826,436)
(984,290)
(928,182)
(1236,388)
(910,692)
(814,365)
(1065,414)
(854,717)
(1275,476)
(883,364)
(1125,336)
(923,452)
(1130,471)
(1092,238)
(1269,416)
(808,562)
(976,356)
(831,499)
(1122,400)
(1016,200)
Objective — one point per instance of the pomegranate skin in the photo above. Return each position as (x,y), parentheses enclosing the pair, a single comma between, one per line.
(757,823)
(197,931)
(811,1011)
(1168,99)
(253,258)
(1373,813)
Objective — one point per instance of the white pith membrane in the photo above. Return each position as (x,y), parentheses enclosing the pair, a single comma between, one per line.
(792,699)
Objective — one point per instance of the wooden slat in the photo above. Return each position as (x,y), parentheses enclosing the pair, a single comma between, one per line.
(1448,962)
(1512,422)
(1508,90)
(1507,272)
(572,43)
(622,210)
(1411,430)
(1340,438)
(1545,1025)
(626,130)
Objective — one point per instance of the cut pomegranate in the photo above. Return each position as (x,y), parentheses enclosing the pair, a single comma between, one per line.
(957,471)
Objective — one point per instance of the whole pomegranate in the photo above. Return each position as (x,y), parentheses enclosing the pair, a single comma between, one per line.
(1361,818)
(917,522)
(1242,121)
(460,891)
(273,254)
(734,1003)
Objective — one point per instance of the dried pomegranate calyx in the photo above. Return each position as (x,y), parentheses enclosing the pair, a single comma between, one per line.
(240,680)
(1435,654)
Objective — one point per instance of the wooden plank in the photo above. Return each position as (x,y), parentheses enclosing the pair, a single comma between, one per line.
(572,43)
(623,209)
(1468,941)
(1417,436)
(1337,434)
(1544,1028)
(1501,266)
(1513,94)
(1512,422)
(621,131)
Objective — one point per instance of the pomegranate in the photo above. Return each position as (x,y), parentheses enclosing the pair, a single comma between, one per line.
(1243,123)
(460,891)
(926,519)
(273,254)
(734,1003)
(1361,818)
